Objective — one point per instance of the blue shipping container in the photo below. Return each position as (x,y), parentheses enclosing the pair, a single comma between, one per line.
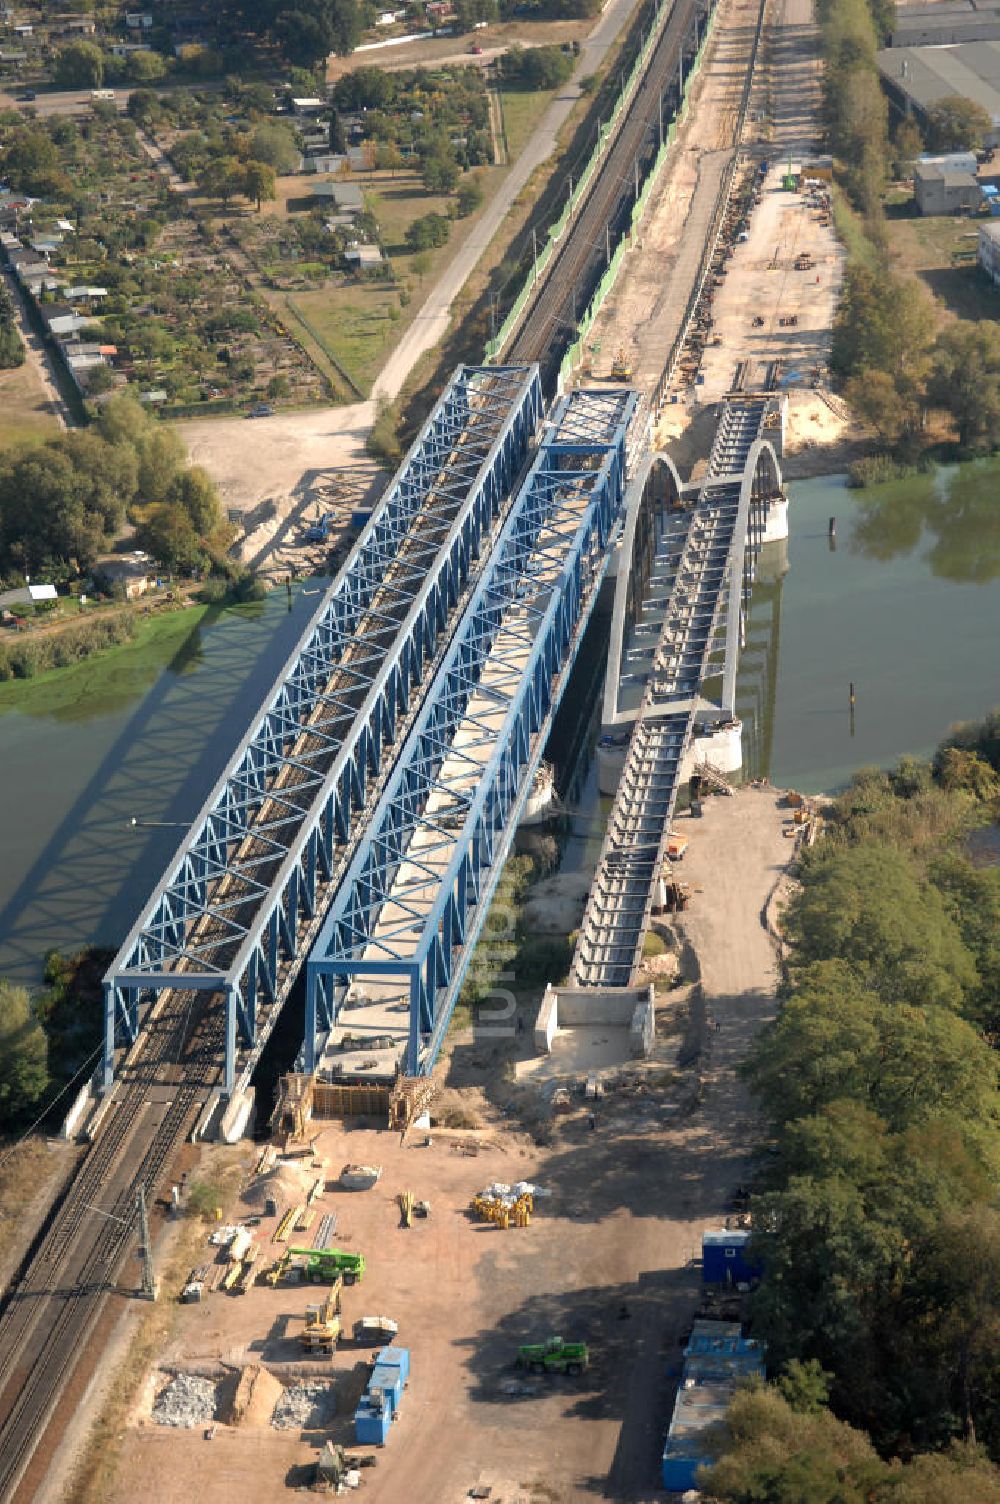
(371,1422)
(724,1258)
(387,1381)
(395,1357)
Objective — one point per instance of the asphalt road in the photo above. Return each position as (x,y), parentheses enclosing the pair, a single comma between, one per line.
(431,322)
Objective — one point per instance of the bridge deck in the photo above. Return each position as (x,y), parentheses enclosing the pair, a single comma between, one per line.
(402,927)
(609,948)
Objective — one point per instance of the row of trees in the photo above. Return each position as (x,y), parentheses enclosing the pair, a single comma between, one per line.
(895,366)
(876,1217)
(782,1445)
(11,344)
(62,502)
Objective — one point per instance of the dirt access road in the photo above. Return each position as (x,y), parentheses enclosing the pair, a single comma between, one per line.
(607,1257)
(291,458)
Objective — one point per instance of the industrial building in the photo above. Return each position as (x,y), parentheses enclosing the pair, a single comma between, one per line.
(988,251)
(716,1358)
(917,78)
(945,190)
(945,25)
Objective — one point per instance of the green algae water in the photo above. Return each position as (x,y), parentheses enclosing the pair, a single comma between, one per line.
(141,731)
(904,604)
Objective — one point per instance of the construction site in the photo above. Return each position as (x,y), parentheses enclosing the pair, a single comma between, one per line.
(570,1208)
(456,1259)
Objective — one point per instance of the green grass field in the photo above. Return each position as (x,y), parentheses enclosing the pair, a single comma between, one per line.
(110,678)
(25,417)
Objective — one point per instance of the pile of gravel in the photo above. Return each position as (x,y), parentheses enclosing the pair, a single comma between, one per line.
(186,1401)
(305,1407)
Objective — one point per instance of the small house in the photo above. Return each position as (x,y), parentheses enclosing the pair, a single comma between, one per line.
(346,198)
(132,575)
(945,190)
(307,107)
(364,256)
(138,20)
(328,162)
(988,252)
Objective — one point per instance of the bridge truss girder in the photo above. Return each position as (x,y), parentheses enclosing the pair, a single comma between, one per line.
(527,615)
(247,888)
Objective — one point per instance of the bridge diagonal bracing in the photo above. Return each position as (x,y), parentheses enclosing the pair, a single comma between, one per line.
(392,952)
(248,886)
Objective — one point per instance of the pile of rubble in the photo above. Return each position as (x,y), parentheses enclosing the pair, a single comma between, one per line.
(305,1407)
(185,1401)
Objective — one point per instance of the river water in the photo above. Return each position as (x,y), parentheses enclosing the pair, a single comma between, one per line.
(143,732)
(907,607)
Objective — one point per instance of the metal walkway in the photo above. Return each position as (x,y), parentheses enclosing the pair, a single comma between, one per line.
(716,563)
(392,953)
(246,891)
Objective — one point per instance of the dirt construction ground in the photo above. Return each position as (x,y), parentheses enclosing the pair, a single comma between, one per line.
(607,1257)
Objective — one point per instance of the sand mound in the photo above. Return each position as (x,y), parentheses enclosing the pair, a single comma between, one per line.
(256,1394)
(285,1184)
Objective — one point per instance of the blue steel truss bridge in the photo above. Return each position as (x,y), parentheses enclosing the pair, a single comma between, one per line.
(245,893)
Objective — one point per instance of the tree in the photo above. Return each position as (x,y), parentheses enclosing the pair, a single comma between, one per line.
(366,88)
(305,39)
(428,231)
(338,136)
(965,379)
(194,491)
(144,106)
(878,401)
(388,157)
(440,172)
(168,534)
(868,907)
(958,124)
(908,145)
(145,67)
(159,451)
(80,65)
(275,145)
(535,68)
(772,1453)
(31,162)
(258,181)
(24,1075)
(470,197)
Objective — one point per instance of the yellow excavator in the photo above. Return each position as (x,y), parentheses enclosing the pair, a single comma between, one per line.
(621,366)
(321,1332)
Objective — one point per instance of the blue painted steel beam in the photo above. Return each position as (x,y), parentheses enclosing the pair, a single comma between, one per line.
(578,480)
(247,886)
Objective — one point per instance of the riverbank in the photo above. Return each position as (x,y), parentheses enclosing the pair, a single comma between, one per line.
(111,675)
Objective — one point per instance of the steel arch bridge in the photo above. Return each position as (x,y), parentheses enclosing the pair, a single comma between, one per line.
(712,578)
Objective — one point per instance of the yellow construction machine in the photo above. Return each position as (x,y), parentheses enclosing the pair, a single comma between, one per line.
(321,1332)
(621,366)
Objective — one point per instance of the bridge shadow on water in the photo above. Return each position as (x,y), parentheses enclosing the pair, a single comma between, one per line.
(91,877)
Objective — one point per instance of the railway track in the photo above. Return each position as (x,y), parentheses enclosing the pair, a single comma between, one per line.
(549,323)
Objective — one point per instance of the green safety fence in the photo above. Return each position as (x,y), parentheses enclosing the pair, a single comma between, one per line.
(574,354)
(580,187)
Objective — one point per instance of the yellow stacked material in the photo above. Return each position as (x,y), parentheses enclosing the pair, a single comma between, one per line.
(405,1200)
(304,1220)
(317,1189)
(504,1210)
(284,1227)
